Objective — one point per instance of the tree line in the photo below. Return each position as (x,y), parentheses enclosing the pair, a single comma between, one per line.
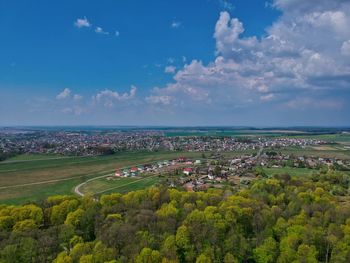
(280,219)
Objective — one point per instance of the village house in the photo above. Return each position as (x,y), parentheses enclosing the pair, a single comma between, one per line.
(187,171)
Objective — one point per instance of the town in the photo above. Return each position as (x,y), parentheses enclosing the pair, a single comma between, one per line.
(92,143)
(218,171)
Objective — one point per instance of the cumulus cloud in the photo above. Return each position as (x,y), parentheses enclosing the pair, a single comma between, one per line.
(109,98)
(345,48)
(64,94)
(305,50)
(82,22)
(170,69)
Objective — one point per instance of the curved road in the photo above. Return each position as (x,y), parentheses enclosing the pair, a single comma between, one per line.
(77,188)
(78,192)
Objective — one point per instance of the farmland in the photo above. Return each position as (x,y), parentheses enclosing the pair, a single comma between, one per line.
(289,170)
(120,185)
(34,179)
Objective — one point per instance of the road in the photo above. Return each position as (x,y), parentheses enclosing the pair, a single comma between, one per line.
(77,188)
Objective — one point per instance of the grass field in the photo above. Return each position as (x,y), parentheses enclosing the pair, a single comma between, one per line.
(32,157)
(227,133)
(71,171)
(327,151)
(120,185)
(337,137)
(290,170)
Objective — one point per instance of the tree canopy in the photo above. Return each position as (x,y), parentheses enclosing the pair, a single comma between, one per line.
(279,219)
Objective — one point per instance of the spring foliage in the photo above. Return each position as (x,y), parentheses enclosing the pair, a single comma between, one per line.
(281,219)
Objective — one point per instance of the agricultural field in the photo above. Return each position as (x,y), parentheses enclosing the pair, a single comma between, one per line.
(36,179)
(33,157)
(228,132)
(324,151)
(342,138)
(289,170)
(119,185)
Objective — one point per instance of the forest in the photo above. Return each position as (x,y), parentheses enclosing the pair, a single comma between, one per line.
(280,219)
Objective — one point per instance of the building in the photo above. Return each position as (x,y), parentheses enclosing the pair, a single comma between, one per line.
(187,171)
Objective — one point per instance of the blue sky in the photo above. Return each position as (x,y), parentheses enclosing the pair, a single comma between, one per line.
(198,62)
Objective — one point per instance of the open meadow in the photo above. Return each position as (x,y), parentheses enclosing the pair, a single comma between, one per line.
(32,180)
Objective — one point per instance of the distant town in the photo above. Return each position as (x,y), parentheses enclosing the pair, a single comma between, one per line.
(85,143)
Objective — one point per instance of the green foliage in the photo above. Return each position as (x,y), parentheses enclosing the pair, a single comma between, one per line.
(279,219)
(147,255)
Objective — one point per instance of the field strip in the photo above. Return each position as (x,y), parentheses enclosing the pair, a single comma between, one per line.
(44,159)
(71,163)
(116,187)
(42,182)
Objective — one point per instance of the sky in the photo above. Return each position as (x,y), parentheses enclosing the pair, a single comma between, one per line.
(175,63)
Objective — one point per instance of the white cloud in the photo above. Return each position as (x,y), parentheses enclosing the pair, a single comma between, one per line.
(109,98)
(175,24)
(225,4)
(170,69)
(267,97)
(64,94)
(345,48)
(99,30)
(82,22)
(305,50)
(164,100)
(77,97)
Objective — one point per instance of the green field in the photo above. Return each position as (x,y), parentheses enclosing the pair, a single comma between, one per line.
(289,170)
(32,157)
(227,133)
(120,185)
(15,176)
(337,137)
(327,151)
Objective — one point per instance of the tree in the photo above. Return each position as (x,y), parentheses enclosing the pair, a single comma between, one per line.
(229,258)
(267,252)
(25,225)
(202,258)
(185,249)
(307,254)
(148,255)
